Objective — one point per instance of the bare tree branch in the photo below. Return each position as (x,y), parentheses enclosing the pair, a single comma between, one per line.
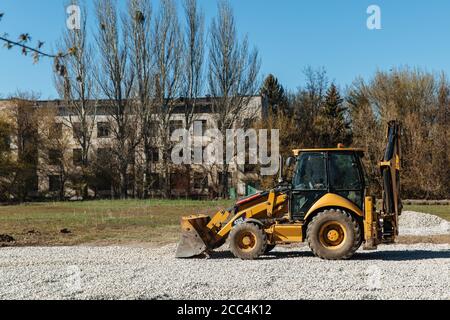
(232,74)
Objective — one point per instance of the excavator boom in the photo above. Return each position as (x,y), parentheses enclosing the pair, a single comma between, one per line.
(390,173)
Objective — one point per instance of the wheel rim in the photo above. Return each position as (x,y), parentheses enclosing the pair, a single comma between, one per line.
(246,241)
(332,235)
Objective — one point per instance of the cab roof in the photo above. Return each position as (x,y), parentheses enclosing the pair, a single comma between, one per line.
(298,151)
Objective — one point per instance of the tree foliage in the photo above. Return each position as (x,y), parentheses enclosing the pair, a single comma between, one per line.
(420,100)
(332,123)
(148,62)
(275,94)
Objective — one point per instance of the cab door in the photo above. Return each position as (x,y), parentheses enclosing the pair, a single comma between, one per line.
(310,183)
(346,176)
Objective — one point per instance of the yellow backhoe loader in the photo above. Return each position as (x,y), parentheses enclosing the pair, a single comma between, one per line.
(325,204)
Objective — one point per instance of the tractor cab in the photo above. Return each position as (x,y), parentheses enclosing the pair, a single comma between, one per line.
(326,171)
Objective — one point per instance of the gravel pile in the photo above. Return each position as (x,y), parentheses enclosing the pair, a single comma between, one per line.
(422,224)
(393,272)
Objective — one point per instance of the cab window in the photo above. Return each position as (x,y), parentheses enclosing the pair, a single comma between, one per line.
(311,173)
(344,173)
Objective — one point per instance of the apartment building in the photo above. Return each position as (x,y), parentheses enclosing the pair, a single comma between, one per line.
(201,182)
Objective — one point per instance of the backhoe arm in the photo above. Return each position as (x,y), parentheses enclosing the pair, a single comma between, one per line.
(390,172)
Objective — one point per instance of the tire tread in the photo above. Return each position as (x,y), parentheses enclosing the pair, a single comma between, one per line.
(355,226)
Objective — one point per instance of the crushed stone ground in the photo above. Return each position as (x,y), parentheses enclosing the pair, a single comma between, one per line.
(393,272)
(419,271)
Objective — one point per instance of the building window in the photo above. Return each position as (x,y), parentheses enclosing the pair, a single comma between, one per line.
(200,181)
(103,155)
(76,128)
(174,125)
(55,131)
(103,129)
(250,168)
(32,183)
(221,178)
(131,159)
(154,155)
(177,181)
(77,157)
(5,142)
(103,179)
(154,126)
(103,182)
(54,183)
(154,181)
(54,157)
(248,123)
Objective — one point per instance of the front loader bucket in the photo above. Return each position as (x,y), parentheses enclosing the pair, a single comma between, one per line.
(194,236)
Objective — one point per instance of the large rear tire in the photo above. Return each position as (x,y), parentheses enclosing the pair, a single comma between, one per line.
(334,234)
(247,241)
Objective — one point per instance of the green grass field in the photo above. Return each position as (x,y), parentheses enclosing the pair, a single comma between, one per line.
(442,211)
(114,222)
(100,222)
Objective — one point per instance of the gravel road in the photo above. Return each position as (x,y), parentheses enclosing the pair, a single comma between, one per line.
(393,272)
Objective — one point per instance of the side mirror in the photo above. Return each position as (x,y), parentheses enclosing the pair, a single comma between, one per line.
(290,161)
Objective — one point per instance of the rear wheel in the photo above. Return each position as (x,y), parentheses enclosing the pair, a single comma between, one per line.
(333,235)
(247,241)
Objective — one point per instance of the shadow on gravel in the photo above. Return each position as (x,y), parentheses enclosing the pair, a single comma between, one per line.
(269,256)
(407,255)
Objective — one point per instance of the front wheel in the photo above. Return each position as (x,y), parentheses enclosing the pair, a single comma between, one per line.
(247,241)
(334,235)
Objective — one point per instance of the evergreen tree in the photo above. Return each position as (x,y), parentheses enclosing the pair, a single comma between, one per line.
(274,92)
(331,124)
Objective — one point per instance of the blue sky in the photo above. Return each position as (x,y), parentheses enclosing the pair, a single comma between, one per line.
(290,34)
